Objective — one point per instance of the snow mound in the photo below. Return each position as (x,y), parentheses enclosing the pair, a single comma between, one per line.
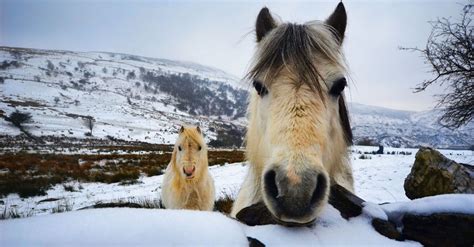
(159,227)
(124,227)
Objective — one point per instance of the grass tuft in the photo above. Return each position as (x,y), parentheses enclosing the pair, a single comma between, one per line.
(224,204)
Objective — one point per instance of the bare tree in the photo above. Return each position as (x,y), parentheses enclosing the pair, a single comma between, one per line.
(89,122)
(449,52)
(18,119)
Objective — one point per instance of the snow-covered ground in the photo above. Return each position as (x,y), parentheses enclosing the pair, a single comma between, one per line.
(377,179)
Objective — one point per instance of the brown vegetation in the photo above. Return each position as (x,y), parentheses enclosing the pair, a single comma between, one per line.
(31,174)
(224,204)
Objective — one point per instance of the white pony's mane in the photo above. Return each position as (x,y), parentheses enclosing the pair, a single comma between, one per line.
(296,48)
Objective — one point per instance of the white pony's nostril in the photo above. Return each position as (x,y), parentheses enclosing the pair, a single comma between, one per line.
(270,184)
(320,190)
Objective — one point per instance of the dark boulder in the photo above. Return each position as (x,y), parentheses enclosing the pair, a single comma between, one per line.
(434,174)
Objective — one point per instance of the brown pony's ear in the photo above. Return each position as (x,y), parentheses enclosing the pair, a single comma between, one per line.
(181,130)
(198,129)
(338,21)
(265,23)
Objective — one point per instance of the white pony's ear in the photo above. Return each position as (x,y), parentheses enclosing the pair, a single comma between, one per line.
(338,21)
(198,129)
(181,130)
(265,23)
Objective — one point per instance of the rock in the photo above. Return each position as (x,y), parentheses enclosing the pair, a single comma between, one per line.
(442,229)
(347,203)
(255,215)
(434,174)
(253,242)
(388,229)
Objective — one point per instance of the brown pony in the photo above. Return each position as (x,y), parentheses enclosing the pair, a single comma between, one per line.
(187,183)
(298,130)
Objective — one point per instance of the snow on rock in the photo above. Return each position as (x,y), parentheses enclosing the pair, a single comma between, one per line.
(449,203)
(374,211)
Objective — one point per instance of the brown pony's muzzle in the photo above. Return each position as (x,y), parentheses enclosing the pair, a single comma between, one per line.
(291,201)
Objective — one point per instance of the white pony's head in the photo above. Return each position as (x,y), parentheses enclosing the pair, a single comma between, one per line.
(298,129)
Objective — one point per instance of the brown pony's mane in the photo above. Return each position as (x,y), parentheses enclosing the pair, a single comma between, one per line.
(295,47)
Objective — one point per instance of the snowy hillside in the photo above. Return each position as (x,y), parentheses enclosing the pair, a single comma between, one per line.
(146,99)
(129,97)
(398,128)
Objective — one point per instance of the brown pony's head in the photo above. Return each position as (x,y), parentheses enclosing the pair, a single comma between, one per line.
(190,153)
(298,125)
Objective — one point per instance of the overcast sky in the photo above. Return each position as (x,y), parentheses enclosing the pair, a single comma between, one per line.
(219,34)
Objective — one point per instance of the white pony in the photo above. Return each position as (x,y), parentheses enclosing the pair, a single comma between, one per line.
(187,183)
(298,130)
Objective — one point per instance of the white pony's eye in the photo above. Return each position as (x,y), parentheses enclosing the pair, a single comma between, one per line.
(179,148)
(338,87)
(199,148)
(261,89)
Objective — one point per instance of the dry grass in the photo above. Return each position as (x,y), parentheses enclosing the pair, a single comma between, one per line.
(224,204)
(13,213)
(130,203)
(62,206)
(32,174)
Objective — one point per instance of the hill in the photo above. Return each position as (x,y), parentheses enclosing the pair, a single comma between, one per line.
(136,98)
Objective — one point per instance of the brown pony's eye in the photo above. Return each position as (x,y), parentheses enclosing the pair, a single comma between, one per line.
(179,148)
(337,87)
(261,89)
(199,148)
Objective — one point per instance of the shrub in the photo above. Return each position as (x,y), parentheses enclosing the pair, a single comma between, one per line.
(18,118)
